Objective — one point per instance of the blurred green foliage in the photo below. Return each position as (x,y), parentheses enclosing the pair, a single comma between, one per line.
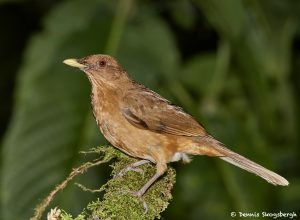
(233,64)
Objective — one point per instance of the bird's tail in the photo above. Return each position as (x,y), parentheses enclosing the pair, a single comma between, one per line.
(216,148)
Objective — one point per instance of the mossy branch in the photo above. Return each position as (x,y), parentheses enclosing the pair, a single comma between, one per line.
(117,202)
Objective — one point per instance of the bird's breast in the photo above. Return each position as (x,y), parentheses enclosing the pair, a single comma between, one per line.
(107,115)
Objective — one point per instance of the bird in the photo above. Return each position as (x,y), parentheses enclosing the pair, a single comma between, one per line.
(144,125)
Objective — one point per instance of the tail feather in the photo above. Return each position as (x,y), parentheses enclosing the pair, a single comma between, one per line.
(211,147)
(252,167)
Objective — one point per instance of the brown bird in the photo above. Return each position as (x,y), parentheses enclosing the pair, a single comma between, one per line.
(145,125)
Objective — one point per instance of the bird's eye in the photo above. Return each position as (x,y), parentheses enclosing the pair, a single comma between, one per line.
(102,63)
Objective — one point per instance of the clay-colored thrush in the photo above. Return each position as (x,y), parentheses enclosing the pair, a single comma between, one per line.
(143,124)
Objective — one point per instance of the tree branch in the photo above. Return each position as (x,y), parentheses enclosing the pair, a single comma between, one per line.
(117,202)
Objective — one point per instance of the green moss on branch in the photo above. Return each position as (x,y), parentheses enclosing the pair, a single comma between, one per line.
(117,202)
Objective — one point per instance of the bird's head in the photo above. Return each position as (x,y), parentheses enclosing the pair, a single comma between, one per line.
(100,69)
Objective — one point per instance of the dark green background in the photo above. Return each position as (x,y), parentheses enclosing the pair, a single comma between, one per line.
(233,64)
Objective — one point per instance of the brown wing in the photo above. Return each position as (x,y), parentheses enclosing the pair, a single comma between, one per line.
(147,110)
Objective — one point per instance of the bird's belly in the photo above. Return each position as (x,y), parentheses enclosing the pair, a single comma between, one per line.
(138,142)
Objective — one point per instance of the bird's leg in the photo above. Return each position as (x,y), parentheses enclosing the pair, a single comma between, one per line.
(132,167)
(141,192)
(160,170)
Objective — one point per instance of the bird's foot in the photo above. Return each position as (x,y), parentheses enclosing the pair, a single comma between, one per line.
(126,169)
(132,167)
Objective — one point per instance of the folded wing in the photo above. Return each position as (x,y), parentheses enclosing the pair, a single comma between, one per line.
(148,110)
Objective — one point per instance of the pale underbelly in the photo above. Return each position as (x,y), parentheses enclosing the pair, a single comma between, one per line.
(141,143)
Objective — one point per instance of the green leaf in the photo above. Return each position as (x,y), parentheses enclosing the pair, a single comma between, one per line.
(227,16)
(51,108)
(148,50)
(198,73)
(261,52)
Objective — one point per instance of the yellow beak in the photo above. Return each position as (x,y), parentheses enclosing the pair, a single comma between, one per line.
(74,63)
